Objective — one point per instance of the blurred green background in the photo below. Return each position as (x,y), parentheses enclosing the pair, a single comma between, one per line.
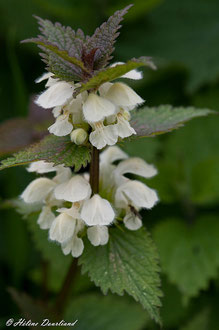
(182,37)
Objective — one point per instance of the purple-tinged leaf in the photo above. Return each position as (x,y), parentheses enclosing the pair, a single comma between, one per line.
(104,38)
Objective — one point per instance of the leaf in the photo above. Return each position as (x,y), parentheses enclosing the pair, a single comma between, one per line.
(58,150)
(112,73)
(164,118)
(96,312)
(199,322)
(128,263)
(189,253)
(104,38)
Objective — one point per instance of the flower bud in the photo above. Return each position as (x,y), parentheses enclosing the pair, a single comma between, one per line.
(79,136)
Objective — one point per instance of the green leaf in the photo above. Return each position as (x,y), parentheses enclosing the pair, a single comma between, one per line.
(96,312)
(189,253)
(104,38)
(199,322)
(129,262)
(112,73)
(164,118)
(58,150)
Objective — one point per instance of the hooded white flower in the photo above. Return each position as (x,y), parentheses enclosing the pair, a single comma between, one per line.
(41,167)
(74,190)
(123,127)
(37,190)
(97,211)
(135,166)
(132,221)
(62,228)
(63,174)
(74,245)
(112,154)
(135,193)
(123,96)
(96,108)
(46,217)
(45,76)
(57,94)
(62,126)
(103,135)
(98,235)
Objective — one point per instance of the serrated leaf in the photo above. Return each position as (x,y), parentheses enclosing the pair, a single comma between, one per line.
(96,312)
(164,118)
(57,150)
(104,38)
(189,252)
(128,263)
(112,73)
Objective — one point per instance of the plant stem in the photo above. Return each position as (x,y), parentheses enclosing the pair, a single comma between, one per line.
(66,288)
(94,171)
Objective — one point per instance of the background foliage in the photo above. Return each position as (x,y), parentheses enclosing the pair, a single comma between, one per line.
(182,37)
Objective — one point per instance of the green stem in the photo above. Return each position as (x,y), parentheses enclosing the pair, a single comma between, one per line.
(94,171)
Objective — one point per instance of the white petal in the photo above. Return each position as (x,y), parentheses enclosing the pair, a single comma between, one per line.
(133,74)
(135,166)
(55,95)
(103,89)
(61,127)
(132,222)
(111,154)
(63,175)
(123,127)
(103,135)
(44,76)
(123,96)
(57,111)
(96,108)
(97,211)
(37,190)
(98,235)
(41,167)
(62,228)
(46,218)
(74,190)
(135,193)
(75,246)
(73,211)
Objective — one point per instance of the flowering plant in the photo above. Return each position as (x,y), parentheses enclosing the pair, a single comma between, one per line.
(90,195)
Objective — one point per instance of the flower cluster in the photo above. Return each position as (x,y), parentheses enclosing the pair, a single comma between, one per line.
(70,211)
(104,115)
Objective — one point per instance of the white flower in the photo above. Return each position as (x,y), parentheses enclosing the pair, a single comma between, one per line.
(79,136)
(96,108)
(57,111)
(62,228)
(135,193)
(44,76)
(123,96)
(41,167)
(103,135)
(112,154)
(63,174)
(57,94)
(133,74)
(135,166)
(98,235)
(132,221)
(75,246)
(123,127)
(97,211)
(37,190)
(74,190)
(46,217)
(62,126)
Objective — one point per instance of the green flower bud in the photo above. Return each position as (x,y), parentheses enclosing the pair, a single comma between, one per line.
(79,136)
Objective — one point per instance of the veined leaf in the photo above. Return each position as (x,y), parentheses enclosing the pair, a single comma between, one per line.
(57,150)
(104,38)
(164,118)
(189,253)
(129,262)
(112,73)
(96,312)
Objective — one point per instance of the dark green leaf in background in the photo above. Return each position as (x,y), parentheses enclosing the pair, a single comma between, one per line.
(58,150)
